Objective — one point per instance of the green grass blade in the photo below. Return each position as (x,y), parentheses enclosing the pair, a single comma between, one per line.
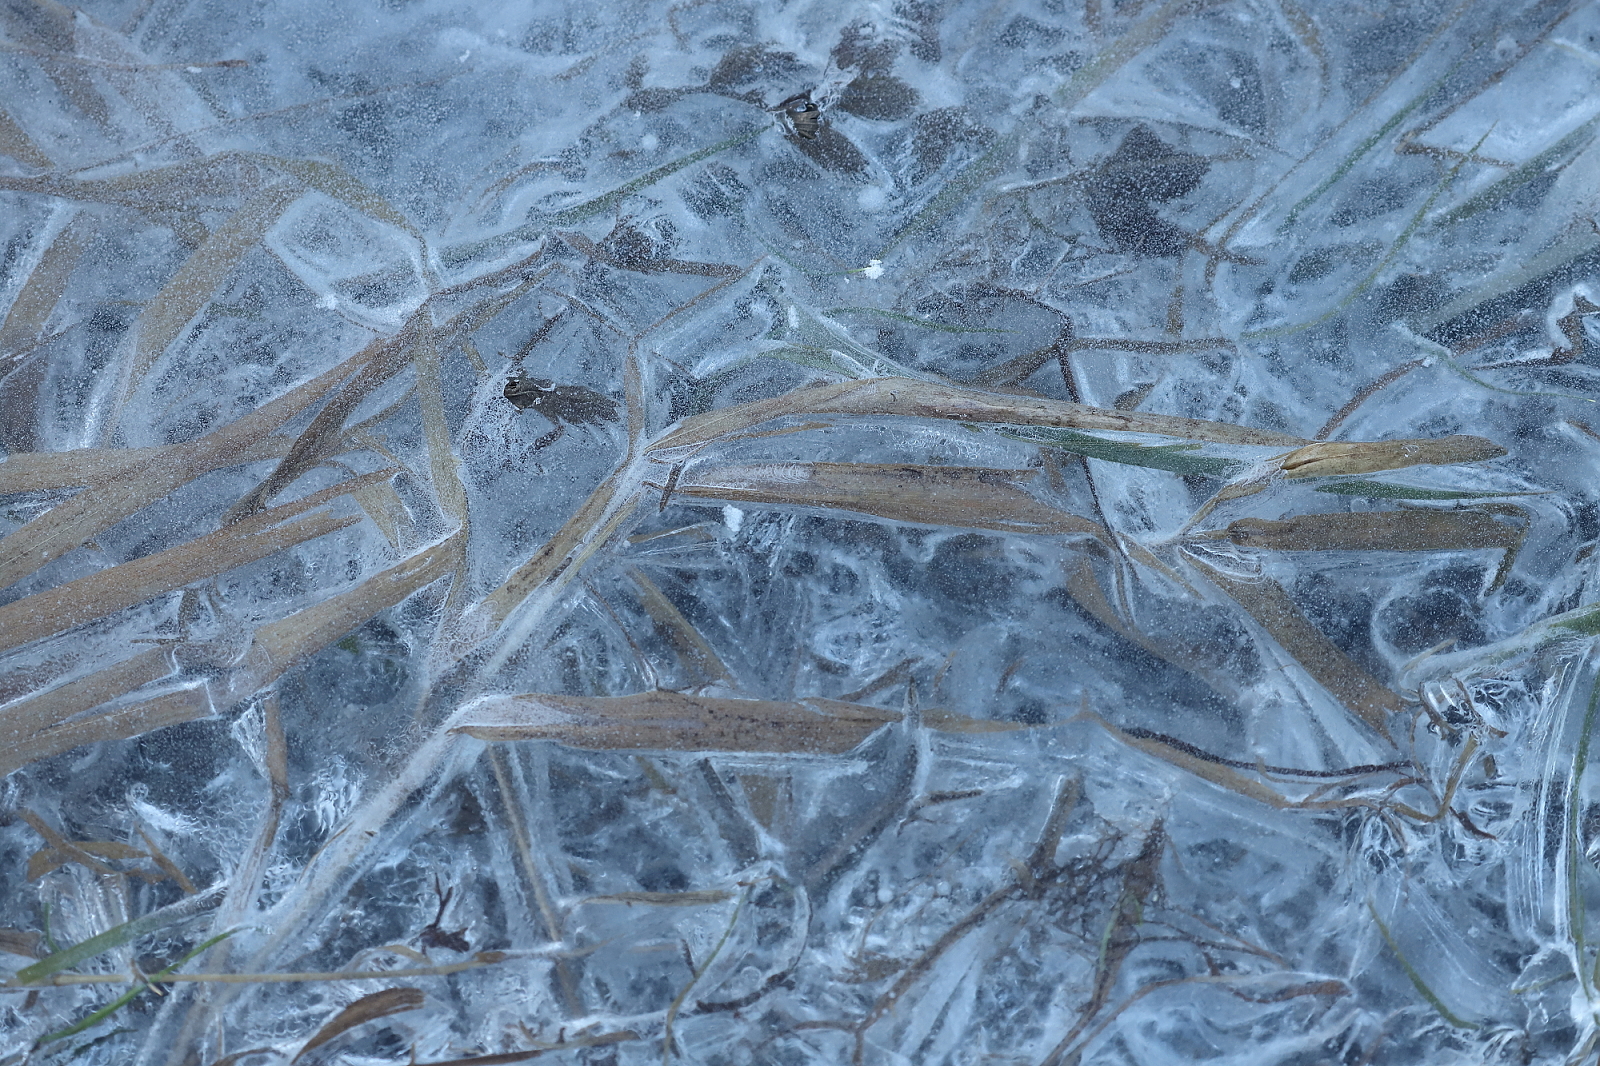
(1576,912)
(116,937)
(1551,159)
(1176,458)
(1384,490)
(96,1017)
(1416,978)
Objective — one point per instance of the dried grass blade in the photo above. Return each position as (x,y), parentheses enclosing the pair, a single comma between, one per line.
(672,721)
(383,505)
(1334,458)
(291,639)
(21,720)
(44,471)
(167,866)
(1400,531)
(693,648)
(68,525)
(375,364)
(123,723)
(444,465)
(1205,769)
(969,497)
(1271,607)
(366,1009)
(61,845)
(206,268)
(99,594)
(912,398)
(15,142)
(338,183)
(560,558)
(1419,530)
(44,287)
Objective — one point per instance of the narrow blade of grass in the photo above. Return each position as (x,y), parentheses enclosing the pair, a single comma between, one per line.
(926,399)
(1265,601)
(45,471)
(1177,458)
(1416,978)
(21,720)
(188,704)
(693,648)
(602,204)
(206,268)
(1335,458)
(968,497)
(107,591)
(69,524)
(1387,490)
(43,290)
(1549,161)
(15,142)
(96,1017)
(674,721)
(368,1008)
(185,909)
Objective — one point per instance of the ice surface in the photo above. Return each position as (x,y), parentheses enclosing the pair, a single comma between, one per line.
(844,656)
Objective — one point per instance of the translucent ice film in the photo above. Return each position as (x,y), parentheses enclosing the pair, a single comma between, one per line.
(889,533)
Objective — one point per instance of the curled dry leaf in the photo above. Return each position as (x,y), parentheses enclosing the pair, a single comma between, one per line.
(366,1009)
(1331,458)
(967,496)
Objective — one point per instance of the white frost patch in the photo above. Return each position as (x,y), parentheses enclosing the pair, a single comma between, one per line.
(732,517)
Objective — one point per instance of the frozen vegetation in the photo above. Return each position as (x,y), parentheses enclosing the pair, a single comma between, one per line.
(1036,532)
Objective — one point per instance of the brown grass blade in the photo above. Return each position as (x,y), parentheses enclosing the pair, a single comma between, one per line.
(970,497)
(123,723)
(285,642)
(340,184)
(15,142)
(1330,458)
(944,721)
(68,525)
(1398,531)
(97,595)
(1271,607)
(366,1009)
(672,721)
(377,363)
(692,648)
(382,504)
(926,399)
(48,860)
(700,898)
(206,268)
(23,719)
(44,471)
(40,293)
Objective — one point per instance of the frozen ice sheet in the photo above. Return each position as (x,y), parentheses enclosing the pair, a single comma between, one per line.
(1021,532)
